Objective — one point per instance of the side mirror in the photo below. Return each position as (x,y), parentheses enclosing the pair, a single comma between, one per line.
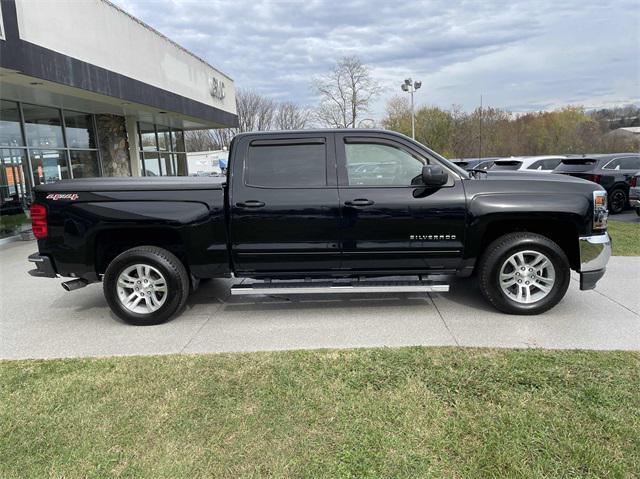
(434,176)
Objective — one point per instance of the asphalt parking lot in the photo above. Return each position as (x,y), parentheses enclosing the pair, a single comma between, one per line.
(41,320)
(629,216)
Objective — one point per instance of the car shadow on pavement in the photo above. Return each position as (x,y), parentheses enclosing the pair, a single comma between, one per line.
(464,291)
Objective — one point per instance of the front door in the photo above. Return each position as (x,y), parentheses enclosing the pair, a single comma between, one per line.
(284,204)
(389,221)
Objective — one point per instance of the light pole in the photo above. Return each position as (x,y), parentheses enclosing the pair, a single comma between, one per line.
(411,86)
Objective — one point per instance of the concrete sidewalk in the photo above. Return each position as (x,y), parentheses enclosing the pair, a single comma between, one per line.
(38,319)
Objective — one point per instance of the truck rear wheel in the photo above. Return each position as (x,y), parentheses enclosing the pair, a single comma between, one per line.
(524,273)
(146,285)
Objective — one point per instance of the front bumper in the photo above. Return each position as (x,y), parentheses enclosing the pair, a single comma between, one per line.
(44,266)
(595,252)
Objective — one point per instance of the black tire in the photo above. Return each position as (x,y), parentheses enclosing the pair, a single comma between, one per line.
(174,272)
(495,256)
(617,201)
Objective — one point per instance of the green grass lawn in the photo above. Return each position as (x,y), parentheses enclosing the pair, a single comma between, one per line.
(626,238)
(409,412)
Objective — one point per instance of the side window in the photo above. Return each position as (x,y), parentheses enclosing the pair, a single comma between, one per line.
(536,165)
(373,164)
(613,164)
(552,163)
(286,166)
(630,163)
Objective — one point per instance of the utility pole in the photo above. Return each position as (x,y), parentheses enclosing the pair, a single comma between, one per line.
(480,147)
(410,86)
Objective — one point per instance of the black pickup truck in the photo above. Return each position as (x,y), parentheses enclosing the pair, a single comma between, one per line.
(323,211)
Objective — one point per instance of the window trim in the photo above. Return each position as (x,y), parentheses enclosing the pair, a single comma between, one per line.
(257,143)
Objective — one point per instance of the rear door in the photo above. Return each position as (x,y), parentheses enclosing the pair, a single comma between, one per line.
(390,222)
(284,204)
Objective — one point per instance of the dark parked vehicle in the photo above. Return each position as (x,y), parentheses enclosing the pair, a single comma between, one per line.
(478,164)
(323,211)
(612,171)
(634,192)
(528,163)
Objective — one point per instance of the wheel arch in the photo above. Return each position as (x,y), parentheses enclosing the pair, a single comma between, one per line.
(562,232)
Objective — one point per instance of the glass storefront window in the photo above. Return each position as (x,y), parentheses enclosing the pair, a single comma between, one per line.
(84,164)
(13,192)
(49,166)
(173,162)
(10,132)
(167,164)
(164,140)
(151,164)
(79,130)
(43,126)
(50,150)
(147,137)
(178,140)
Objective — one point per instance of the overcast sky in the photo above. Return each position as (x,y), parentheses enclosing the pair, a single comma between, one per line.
(520,55)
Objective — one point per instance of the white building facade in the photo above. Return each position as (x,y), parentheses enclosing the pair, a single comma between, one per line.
(88,90)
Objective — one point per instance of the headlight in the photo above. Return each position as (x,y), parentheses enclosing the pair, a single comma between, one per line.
(600,212)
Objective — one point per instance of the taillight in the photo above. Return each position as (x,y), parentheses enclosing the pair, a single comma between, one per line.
(633,181)
(39,221)
(600,212)
(594,178)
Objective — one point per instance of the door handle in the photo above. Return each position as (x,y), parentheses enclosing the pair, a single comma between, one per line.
(359,202)
(250,204)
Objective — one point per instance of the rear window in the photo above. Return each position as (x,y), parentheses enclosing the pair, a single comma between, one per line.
(506,165)
(548,164)
(286,165)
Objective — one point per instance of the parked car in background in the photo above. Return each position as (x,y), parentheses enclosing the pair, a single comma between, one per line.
(528,163)
(470,164)
(613,171)
(634,192)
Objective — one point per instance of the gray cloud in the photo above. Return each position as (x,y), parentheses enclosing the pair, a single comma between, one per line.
(520,55)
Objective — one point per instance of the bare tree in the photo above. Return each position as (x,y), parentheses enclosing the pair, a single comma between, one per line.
(291,116)
(255,112)
(345,93)
(199,140)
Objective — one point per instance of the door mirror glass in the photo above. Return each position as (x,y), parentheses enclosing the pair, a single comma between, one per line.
(434,175)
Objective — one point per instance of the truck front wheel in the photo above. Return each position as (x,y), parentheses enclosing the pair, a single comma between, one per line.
(524,273)
(146,285)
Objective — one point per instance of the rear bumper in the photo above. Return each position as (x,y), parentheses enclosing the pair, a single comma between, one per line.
(595,252)
(44,266)
(634,197)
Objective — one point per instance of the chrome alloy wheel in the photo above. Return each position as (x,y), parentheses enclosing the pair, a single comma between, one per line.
(142,288)
(527,277)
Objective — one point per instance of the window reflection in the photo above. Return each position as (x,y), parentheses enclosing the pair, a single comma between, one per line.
(10,132)
(79,130)
(48,166)
(43,126)
(84,164)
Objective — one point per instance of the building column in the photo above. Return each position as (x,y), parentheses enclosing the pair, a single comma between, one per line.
(112,139)
(134,144)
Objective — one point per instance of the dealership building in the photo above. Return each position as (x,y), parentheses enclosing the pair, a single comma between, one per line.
(88,90)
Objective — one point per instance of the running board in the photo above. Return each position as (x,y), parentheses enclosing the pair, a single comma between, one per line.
(310,287)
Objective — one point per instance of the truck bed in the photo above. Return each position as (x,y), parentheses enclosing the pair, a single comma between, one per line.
(145,183)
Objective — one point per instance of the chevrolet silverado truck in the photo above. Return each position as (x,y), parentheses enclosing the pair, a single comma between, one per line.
(323,211)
